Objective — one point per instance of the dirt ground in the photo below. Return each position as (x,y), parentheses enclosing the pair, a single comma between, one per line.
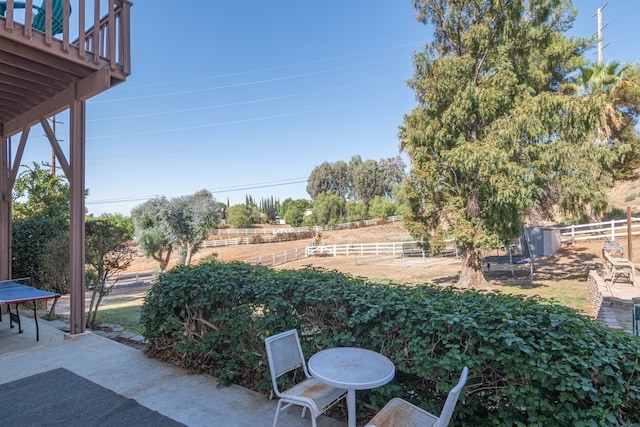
(563,273)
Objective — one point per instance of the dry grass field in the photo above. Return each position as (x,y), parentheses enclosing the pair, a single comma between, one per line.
(561,277)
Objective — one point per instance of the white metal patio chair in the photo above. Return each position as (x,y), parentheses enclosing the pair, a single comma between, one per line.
(400,413)
(285,354)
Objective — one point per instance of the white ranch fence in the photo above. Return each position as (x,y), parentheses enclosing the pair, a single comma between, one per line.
(609,230)
(599,230)
(279,230)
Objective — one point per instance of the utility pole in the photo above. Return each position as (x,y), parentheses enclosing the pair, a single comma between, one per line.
(601,45)
(53,153)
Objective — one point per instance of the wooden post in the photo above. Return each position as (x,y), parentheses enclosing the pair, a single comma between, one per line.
(5,210)
(76,184)
(629,245)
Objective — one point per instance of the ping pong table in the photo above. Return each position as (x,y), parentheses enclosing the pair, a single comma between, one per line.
(14,293)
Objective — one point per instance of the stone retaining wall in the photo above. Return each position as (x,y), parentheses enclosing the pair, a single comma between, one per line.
(614,312)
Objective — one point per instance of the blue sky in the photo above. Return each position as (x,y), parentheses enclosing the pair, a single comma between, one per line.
(248,97)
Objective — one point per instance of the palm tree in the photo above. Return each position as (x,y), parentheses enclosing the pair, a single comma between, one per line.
(618,87)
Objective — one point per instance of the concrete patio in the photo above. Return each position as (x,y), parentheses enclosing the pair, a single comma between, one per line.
(194,400)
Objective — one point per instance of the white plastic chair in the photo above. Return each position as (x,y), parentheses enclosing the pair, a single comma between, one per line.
(285,354)
(400,413)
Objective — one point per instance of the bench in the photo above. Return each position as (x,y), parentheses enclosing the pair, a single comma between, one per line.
(620,266)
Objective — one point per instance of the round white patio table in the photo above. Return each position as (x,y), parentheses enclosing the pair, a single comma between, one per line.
(353,369)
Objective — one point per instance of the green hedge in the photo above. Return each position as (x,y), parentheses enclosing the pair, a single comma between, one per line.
(531,362)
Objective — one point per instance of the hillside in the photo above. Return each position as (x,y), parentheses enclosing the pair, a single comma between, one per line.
(626,193)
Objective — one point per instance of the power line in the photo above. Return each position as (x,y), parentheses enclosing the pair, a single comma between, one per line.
(235,85)
(235,104)
(280,67)
(213,191)
(231,122)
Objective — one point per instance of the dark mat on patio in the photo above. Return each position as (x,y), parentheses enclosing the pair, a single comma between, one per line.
(60,397)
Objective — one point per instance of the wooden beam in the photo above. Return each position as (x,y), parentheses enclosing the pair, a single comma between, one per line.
(47,58)
(93,84)
(18,159)
(5,211)
(47,108)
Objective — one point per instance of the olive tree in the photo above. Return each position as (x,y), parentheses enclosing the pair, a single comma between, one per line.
(188,220)
(150,237)
(182,223)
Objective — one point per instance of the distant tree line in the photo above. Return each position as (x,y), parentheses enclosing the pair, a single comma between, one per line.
(340,192)
(358,180)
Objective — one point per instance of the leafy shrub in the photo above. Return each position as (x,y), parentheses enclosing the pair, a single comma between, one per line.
(531,362)
(631,197)
(615,213)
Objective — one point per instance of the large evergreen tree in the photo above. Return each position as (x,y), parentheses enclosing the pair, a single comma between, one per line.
(493,134)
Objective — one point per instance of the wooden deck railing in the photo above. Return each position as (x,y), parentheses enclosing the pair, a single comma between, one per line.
(99,30)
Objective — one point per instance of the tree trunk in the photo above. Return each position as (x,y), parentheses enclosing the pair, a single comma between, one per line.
(190,251)
(471,275)
(163,260)
(52,310)
(91,311)
(167,258)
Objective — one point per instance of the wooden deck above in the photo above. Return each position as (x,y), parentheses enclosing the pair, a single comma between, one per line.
(41,73)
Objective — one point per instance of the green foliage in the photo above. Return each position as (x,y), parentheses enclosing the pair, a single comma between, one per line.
(40,250)
(356,211)
(40,214)
(294,211)
(238,216)
(367,178)
(358,180)
(329,178)
(181,223)
(531,362)
(382,208)
(630,197)
(123,222)
(107,253)
(150,238)
(616,87)
(38,192)
(188,220)
(615,213)
(154,243)
(494,135)
(328,209)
